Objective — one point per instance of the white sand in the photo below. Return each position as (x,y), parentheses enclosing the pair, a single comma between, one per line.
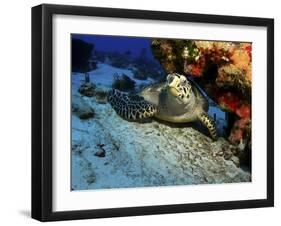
(141,154)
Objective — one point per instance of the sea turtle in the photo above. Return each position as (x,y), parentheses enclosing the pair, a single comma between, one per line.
(177,100)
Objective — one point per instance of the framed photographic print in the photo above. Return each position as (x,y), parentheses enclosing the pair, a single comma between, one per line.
(146,112)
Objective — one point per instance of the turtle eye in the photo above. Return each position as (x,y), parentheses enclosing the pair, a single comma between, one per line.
(170,78)
(184,83)
(183,80)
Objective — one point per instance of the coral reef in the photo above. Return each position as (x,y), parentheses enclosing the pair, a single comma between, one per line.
(222,69)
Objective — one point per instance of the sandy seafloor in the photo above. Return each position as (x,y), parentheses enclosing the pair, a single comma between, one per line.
(142,154)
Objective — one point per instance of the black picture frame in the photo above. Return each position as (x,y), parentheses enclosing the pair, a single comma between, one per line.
(42,111)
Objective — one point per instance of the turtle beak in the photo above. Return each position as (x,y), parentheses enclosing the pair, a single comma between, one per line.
(174,83)
(173,91)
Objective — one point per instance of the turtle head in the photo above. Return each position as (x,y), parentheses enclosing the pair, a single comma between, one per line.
(179,87)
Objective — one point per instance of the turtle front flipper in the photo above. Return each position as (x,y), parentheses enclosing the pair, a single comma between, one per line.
(209,122)
(129,106)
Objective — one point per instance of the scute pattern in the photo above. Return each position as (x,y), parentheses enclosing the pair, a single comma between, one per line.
(129,106)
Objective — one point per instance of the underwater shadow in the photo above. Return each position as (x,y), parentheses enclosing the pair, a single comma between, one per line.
(195,125)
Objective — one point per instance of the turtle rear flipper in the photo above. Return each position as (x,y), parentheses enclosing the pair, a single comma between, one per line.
(129,106)
(209,122)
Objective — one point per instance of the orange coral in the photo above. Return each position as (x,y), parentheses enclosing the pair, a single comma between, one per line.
(249,73)
(248,48)
(241,59)
(223,69)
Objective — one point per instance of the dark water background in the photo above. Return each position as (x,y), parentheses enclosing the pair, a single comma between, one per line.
(118,44)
